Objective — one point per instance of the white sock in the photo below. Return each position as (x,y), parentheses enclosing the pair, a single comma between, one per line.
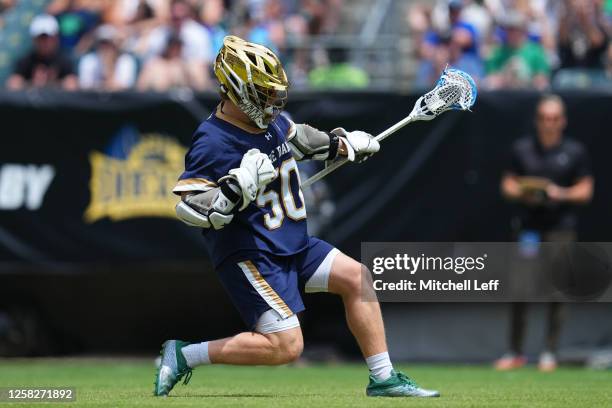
(196,354)
(380,366)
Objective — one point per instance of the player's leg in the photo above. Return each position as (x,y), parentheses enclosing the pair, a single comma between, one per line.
(265,292)
(248,348)
(280,343)
(363,317)
(325,269)
(264,289)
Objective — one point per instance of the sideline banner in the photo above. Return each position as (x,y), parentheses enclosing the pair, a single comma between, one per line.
(87,177)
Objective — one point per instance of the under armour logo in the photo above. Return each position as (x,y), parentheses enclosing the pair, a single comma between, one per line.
(268,136)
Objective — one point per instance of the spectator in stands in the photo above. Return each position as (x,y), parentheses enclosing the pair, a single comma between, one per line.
(449,51)
(540,15)
(266,31)
(75,21)
(135,20)
(475,14)
(170,71)
(107,67)
(4,6)
(419,21)
(45,65)
(462,55)
(607,10)
(323,16)
(274,22)
(297,61)
(582,35)
(128,13)
(464,34)
(517,63)
(212,14)
(195,41)
(339,74)
(429,69)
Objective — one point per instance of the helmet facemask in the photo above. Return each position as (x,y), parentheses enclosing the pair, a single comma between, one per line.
(263,106)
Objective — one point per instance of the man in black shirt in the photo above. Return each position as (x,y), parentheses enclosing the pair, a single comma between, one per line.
(548,176)
(43,66)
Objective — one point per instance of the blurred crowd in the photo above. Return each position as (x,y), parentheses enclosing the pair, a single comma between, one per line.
(515,43)
(158,45)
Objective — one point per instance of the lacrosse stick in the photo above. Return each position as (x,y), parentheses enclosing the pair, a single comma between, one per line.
(455,90)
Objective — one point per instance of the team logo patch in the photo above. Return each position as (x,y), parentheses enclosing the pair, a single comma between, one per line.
(135,176)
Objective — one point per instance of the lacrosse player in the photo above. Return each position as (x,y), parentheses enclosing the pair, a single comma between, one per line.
(241,186)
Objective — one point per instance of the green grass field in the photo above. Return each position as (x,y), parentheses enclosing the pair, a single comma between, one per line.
(128,383)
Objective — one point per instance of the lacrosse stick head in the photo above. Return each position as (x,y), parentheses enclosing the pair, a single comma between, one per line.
(455,90)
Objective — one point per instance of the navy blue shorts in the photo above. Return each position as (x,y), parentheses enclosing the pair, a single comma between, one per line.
(260,281)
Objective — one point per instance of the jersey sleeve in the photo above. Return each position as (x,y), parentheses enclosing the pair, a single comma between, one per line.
(285,125)
(202,166)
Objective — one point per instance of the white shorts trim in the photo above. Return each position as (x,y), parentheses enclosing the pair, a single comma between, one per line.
(272,322)
(319,280)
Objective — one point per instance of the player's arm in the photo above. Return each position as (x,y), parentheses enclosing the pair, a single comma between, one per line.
(216,206)
(212,208)
(308,143)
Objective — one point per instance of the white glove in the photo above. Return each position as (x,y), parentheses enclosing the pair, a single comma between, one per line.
(259,166)
(219,220)
(256,171)
(360,145)
(197,210)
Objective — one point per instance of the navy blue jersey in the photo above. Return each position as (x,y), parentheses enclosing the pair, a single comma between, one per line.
(276,221)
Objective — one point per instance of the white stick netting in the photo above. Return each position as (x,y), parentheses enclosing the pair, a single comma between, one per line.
(455,90)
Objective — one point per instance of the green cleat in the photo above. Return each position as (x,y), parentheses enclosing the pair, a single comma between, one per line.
(171,368)
(398,385)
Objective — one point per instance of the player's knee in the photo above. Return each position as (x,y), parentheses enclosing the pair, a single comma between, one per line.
(288,346)
(292,350)
(348,278)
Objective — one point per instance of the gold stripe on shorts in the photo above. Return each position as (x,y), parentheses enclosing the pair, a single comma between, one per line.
(264,289)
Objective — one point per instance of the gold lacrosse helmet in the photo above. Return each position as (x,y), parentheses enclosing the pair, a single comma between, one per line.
(253,78)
